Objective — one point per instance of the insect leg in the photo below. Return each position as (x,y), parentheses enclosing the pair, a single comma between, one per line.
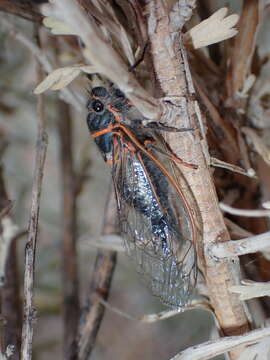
(163,127)
(139,60)
(171,156)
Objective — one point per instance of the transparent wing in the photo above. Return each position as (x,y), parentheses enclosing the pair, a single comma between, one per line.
(156,222)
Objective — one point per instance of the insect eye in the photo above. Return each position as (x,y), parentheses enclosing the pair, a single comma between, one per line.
(97,106)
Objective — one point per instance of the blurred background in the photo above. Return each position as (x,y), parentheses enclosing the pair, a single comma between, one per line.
(119,338)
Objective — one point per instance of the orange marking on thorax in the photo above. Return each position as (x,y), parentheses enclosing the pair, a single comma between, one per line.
(115,113)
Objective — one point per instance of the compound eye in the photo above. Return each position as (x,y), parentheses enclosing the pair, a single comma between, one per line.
(97,106)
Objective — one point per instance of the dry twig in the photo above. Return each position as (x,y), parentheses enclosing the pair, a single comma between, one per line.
(243,212)
(69,232)
(10,284)
(210,349)
(30,250)
(250,245)
(99,288)
(251,289)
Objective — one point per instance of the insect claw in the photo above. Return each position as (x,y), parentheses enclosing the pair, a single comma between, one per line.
(139,60)
(182,162)
(164,127)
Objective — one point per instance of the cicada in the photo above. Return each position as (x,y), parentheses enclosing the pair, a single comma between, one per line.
(155,215)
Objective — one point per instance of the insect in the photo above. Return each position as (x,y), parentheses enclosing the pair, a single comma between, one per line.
(156,218)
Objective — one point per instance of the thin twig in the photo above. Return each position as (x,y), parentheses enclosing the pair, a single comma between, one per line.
(234,168)
(99,287)
(106,242)
(117,311)
(234,248)
(69,232)
(242,212)
(251,289)
(236,231)
(10,293)
(163,315)
(11,308)
(30,250)
(210,349)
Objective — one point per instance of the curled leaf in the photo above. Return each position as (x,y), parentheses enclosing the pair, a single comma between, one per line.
(214,29)
(60,78)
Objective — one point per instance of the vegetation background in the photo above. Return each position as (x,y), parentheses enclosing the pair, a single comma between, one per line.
(118,338)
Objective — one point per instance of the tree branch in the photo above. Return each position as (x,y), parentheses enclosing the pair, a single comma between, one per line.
(173,74)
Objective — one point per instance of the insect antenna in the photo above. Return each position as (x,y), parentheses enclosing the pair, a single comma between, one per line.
(139,60)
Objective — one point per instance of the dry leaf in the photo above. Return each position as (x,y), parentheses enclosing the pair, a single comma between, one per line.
(58,27)
(214,29)
(103,56)
(60,78)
